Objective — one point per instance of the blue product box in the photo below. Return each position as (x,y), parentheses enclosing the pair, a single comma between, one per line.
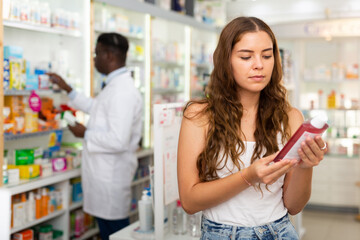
(6,82)
(32,82)
(13,52)
(77,194)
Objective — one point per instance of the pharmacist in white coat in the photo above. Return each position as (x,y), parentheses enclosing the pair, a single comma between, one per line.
(111,136)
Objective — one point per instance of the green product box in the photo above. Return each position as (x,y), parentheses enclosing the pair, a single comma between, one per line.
(24,156)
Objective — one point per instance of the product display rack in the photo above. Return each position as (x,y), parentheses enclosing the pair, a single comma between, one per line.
(79,58)
(60,217)
(88,234)
(164,25)
(39,28)
(203,44)
(133,25)
(40,45)
(11,137)
(329,84)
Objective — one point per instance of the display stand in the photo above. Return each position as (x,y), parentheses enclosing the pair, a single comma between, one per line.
(167,122)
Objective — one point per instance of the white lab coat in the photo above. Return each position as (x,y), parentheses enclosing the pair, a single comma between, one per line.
(112,136)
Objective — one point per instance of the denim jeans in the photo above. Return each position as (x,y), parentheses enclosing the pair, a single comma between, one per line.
(281,229)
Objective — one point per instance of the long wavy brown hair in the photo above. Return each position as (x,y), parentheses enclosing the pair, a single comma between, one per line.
(223,109)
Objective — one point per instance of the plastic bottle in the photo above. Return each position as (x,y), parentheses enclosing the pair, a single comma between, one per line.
(146,215)
(314,127)
(38,208)
(179,219)
(31,207)
(194,224)
(24,209)
(44,202)
(46,232)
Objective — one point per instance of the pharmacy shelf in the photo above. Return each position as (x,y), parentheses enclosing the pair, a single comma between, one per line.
(354,140)
(38,221)
(141,180)
(11,137)
(134,61)
(156,11)
(290,86)
(167,91)
(125,34)
(88,234)
(31,184)
(342,156)
(75,205)
(333,109)
(168,64)
(203,65)
(39,28)
(28,92)
(330,81)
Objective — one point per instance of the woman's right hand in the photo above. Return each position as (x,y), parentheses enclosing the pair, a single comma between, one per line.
(266,171)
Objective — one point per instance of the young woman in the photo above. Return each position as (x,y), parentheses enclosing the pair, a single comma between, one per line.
(229,139)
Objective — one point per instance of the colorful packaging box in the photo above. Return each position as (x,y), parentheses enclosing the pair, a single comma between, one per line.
(27,171)
(59,164)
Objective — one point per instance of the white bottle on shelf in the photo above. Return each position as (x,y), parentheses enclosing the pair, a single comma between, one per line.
(31,207)
(179,219)
(146,215)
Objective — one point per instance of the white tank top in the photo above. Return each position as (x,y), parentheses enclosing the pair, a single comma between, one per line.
(249,208)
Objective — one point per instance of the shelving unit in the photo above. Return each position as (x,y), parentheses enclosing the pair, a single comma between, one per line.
(133,25)
(42,44)
(75,205)
(45,40)
(39,28)
(62,181)
(170,61)
(28,92)
(88,234)
(203,44)
(171,28)
(324,65)
(38,221)
(11,137)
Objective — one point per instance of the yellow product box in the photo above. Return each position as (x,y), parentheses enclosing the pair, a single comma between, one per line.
(15,74)
(31,121)
(27,171)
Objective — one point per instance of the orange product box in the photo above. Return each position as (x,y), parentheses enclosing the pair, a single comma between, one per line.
(27,234)
(17,113)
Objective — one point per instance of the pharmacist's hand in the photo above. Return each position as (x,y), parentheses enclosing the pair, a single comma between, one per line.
(312,152)
(56,79)
(78,130)
(266,171)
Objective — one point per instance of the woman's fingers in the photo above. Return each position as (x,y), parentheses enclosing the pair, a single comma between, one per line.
(270,173)
(274,176)
(310,152)
(270,158)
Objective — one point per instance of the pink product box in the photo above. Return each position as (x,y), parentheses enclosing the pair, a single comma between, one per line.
(59,164)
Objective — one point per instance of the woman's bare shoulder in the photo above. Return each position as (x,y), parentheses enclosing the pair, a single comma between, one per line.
(195,109)
(296,118)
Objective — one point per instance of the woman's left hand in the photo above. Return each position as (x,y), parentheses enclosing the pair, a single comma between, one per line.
(312,152)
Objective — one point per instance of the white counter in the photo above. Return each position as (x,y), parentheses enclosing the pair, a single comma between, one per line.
(126,234)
